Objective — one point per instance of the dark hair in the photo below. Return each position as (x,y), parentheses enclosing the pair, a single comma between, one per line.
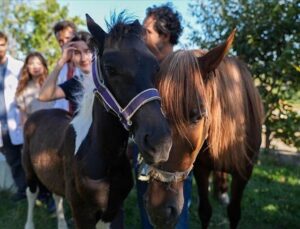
(82,36)
(59,26)
(86,37)
(25,77)
(167,21)
(3,35)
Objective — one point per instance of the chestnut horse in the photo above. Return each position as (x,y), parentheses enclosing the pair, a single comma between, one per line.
(216,114)
(84,159)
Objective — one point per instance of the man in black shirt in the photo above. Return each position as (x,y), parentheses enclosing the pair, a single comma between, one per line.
(77,51)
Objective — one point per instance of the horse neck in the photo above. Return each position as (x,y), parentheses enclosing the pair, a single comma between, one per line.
(104,146)
(107,129)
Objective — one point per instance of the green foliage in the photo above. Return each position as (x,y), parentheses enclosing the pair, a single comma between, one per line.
(268,40)
(30,25)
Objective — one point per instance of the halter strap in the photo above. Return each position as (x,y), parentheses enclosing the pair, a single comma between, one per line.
(111,103)
(148,172)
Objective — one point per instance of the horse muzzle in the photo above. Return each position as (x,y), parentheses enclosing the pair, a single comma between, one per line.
(164,203)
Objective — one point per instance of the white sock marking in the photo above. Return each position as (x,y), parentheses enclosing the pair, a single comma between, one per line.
(61,221)
(31,197)
(102,225)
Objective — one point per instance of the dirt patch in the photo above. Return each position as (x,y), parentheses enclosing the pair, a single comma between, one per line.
(283,153)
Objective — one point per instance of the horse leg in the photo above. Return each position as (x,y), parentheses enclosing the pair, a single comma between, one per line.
(238,185)
(202,179)
(83,218)
(31,198)
(102,225)
(221,187)
(61,221)
(32,189)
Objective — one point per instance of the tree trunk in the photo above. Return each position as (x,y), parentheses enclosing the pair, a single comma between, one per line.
(268,138)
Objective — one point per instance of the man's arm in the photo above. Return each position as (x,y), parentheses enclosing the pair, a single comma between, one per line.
(50,90)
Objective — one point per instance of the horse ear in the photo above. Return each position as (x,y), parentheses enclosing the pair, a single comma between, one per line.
(211,60)
(97,32)
(136,22)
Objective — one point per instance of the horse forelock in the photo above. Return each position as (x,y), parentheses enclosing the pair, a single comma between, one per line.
(83,120)
(121,25)
(182,88)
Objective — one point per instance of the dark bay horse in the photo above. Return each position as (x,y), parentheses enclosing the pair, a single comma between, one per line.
(216,114)
(84,159)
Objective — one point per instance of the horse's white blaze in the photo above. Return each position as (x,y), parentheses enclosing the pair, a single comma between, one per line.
(31,197)
(61,221)
(102,225)
(83,120)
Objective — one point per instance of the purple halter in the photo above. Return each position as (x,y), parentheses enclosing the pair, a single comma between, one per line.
(111,103)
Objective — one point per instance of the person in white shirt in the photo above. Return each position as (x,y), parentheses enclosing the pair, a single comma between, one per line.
(32,76)
(11,131)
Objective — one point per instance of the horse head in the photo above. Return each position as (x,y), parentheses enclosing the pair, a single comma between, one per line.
(186,100)
(126,71)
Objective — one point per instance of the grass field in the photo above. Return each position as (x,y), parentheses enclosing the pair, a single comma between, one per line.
(271,200)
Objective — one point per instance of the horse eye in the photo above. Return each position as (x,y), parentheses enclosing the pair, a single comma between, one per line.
(110,70)
(157,69)
(195,116)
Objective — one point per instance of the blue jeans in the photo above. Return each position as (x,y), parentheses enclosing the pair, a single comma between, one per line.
(141,187)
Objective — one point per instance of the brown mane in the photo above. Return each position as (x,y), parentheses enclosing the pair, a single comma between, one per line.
(227,94)
(182,88)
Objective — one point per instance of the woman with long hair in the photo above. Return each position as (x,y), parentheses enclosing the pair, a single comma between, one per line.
(33,75)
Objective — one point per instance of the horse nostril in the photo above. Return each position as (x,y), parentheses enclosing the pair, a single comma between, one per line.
(169,213)
(165,217)
(147,142)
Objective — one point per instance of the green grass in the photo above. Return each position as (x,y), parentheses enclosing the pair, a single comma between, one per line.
(271,200)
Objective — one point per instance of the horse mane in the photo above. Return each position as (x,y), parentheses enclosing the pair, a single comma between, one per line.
(121,25)
(83,119)
(234,102)
(228,94)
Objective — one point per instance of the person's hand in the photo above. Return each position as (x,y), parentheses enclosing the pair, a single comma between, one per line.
(67,53)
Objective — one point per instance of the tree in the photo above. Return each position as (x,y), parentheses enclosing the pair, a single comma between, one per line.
(29,25)
(268,40)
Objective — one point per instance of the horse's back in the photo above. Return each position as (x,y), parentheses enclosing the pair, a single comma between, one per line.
(45,129)
(44,119)
(44,133)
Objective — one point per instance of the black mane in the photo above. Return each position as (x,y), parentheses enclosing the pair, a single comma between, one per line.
(122,24)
